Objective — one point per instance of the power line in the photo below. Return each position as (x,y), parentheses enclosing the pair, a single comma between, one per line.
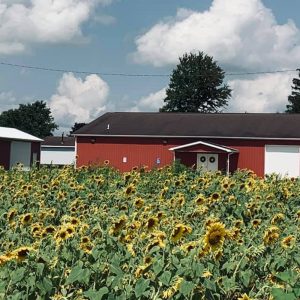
(133,75)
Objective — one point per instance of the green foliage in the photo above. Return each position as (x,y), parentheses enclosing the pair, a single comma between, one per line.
(294,98)
(76,126)
(101,257)
(34,118)
(196,85)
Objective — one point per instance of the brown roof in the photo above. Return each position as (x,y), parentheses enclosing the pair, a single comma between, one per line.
(58,141)
(227,125)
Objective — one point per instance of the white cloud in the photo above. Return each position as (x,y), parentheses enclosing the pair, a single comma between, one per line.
(152,102)
(266,93)
(240,33)
(48,21)
(78,100)
(7,101)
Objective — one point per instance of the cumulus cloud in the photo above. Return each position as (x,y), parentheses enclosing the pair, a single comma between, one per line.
(152,102)
(239,33)
(266,93)
(35,21)
(78,100)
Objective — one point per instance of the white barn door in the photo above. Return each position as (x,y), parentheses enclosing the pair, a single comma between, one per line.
(208,162)
(20,152)
(283,160)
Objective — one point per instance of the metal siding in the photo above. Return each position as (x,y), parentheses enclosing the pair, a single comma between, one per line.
(139,152)
(58,155)
(144,151)
(4,154)
(20,152)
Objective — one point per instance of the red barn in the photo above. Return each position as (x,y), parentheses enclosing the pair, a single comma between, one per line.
(17,146)
(264,143)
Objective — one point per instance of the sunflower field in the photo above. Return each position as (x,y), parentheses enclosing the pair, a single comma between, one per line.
(170,233)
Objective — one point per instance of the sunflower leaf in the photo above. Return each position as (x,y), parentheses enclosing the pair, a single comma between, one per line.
(165,277)
(141,286)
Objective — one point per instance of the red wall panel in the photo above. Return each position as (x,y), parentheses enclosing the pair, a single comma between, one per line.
(4,154)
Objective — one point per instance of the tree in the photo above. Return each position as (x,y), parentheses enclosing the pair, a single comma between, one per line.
(76,126)
(294,98)
(34,118)
(196,85)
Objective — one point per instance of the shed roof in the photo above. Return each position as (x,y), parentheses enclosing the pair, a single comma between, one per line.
(16,134)
(59,141)
(220,125)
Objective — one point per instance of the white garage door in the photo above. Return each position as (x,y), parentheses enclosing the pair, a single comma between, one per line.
(283,160)
(20,153)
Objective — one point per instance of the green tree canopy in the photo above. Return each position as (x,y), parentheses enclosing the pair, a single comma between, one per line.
(76,126)
(294,98)
(196,85)
(34,118)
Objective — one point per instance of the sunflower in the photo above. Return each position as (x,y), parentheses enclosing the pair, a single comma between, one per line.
(11,215)
(271,235)
(61,235)
(288,242)
(26,219)
(179,231)
(147,260)
(156,242)
(85,240)
(256,223)
(215,236)
(127,176)
(130,189)
(70,229)
(238,223)
(151,223)
(139,202)
(118,225)
(74,221)
(188,247)
(277,218)
(22,253)
(218,255)
(49,229)
(87,247)
(200,199)
(215,196)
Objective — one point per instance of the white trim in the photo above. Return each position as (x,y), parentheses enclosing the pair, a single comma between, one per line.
(189,136)
(75,163)
(49,146)
(228,150)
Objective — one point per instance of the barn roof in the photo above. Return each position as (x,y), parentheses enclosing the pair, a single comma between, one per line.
(58,141)
(222,125)
(16,134)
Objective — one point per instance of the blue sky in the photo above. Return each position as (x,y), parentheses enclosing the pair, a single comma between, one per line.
(142,37)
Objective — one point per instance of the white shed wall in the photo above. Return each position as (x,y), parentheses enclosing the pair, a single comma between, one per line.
(57,155)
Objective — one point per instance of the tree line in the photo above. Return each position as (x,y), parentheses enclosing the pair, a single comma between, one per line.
(196,85)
